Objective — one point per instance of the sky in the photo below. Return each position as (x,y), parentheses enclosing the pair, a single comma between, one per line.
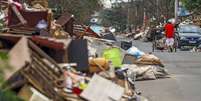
(107,3)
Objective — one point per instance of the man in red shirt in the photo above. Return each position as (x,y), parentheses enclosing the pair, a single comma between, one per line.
(169,33)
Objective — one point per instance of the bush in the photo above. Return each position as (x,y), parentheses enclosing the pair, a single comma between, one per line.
(5,95)
(8,96)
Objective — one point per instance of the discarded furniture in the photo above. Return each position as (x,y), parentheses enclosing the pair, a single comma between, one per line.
(16,25)
(66,21)
(37,67)
(73,27)
(78,53)
(55,48)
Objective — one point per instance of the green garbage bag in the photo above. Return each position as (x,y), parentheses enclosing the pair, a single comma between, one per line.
(114,55)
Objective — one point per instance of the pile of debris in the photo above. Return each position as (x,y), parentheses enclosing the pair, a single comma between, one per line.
(142,34)
(145,66)
(84,65)
(63,60)
(149,33)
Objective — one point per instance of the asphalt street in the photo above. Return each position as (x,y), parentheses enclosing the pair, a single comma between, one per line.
(184,83)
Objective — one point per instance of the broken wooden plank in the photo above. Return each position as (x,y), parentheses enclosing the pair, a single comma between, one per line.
(42,63)
(64,19)
(18,14)
(18,57)
(43,54)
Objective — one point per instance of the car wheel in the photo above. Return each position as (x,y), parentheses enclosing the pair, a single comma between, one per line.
(178,44)
(181,48)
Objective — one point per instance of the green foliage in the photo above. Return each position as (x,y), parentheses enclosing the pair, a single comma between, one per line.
(114,17)
(4,56)
(8,96)
(192,4)
(3,64)
(5,95)
(82,9)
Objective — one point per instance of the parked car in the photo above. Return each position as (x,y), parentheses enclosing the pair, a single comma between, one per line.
(189,36)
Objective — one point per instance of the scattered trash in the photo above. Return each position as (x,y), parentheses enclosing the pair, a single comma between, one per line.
(78,53)
(143,58)
(126,45)
(114,55)
(29,93)
(64,60)
(146,72)
(108,92)
(98,65)
(135,52)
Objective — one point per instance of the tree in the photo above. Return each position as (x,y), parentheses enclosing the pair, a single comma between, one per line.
(115,17)
(81,9)
(192,4)
(134,11)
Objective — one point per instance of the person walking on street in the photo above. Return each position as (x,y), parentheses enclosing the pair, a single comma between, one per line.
(169,34)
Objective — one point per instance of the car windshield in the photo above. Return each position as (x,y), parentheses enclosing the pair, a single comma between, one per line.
(189,29)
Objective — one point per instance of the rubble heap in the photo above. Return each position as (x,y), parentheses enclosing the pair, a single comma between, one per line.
(63,60)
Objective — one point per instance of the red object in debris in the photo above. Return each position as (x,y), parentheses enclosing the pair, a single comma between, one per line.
(47,43)
(18,5)
(77,91)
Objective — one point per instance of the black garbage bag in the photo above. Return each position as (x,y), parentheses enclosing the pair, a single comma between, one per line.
(109,36)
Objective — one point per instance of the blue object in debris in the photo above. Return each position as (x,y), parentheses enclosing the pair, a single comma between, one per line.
(135,52)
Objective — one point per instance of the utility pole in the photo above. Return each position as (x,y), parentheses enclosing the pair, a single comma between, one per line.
(157,10)
(176,10)
(128,15)
(144,19)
